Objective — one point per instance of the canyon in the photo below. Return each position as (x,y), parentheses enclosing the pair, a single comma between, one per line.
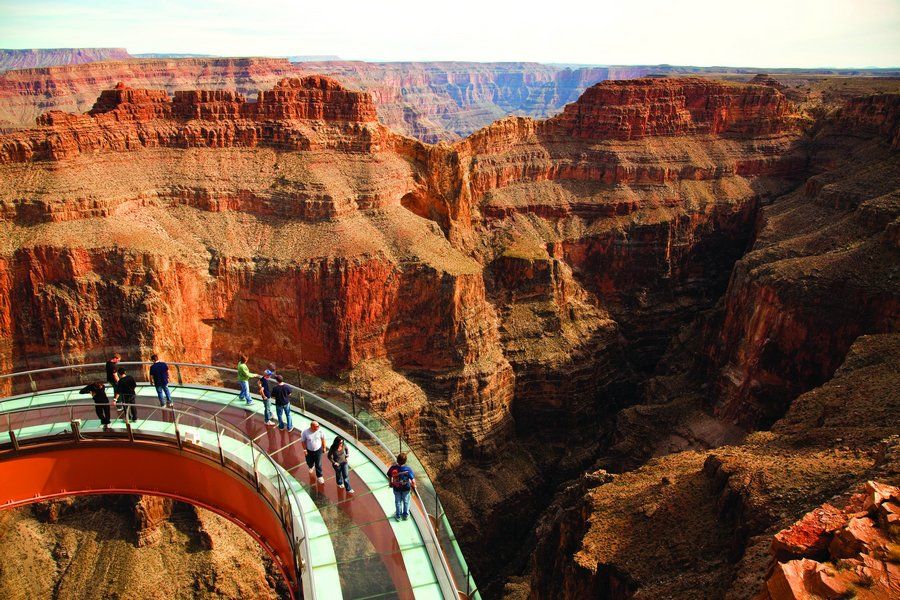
(430,101)
(663,267)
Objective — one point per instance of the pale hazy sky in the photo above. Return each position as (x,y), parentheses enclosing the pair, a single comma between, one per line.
(761,33)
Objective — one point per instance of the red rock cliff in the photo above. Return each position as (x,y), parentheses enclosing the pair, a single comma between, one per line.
(125,118)
(469,290)
(625,110)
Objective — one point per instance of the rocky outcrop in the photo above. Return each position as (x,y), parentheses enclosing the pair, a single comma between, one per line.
(877,115)
(313,98)
(149,514)
(832,553)
(95,534)
(27,93)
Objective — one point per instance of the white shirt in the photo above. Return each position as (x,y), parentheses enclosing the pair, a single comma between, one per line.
(312,440)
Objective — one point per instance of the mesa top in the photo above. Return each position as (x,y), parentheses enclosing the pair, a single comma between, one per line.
(312,440)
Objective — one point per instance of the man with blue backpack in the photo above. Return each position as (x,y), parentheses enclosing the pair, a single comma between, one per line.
(403,481)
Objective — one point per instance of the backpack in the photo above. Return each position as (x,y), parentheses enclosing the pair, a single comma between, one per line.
(400,479)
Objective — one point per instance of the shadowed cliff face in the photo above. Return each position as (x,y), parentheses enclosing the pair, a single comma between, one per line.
(705,520)
(822,271)
(499,298)
(812,307)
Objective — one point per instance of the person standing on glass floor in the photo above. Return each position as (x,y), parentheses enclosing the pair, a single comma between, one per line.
(243,375)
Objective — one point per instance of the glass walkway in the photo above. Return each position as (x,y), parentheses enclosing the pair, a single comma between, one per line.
(343,545)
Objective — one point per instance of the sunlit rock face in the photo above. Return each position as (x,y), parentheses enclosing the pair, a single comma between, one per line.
(499,294)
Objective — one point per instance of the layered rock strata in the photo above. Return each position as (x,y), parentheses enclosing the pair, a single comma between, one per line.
(472,291)
(822,271)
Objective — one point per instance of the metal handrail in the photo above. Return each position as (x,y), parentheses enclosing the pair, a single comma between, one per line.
(286,491)
(329,405)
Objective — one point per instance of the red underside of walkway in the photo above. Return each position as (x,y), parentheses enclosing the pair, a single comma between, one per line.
(162,470)
(36,475)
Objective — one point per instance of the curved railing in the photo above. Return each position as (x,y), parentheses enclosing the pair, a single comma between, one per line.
(373,432)
(192,431)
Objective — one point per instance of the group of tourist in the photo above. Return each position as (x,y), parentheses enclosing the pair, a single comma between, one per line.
(401,477)
(124,388)
(270,386)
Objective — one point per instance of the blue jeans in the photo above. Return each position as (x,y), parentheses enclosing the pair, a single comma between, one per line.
(163,389)
(245,392)
(286,411)
(342,473)
(401,502)
(267,409)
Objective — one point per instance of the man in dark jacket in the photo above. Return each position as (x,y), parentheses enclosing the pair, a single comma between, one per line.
(125,393)
(111,365)
(101,402)
(282,395)
(159,374)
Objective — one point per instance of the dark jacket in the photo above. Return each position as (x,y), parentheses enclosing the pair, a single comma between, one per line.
(99,392)
(282,394)
(111,372)
(266,386)
(159,373)
(126,387)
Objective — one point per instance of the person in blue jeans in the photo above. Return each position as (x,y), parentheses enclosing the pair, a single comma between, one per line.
(282,395)
(403,482)
(243,375)
(159,374)
(265,392)
(339,455)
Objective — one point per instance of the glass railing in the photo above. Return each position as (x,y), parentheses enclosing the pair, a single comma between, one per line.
(371,430)
(190,429)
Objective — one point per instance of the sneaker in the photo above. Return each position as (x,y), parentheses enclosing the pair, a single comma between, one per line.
(321,480)
(169,405)
(405,517)
(281,427)
(340,485)
(271,422)
(312,470)
(248,403)
(351,492)
(397,518)
(291,428)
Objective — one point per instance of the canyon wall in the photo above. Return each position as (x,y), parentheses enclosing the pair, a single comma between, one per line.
(429,101)
(822,272)
(500,298)
(705,520)
(810,311)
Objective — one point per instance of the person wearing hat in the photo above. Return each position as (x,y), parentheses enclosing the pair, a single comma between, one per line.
(265,392)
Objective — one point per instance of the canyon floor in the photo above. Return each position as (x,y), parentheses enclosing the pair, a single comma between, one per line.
(632,341)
